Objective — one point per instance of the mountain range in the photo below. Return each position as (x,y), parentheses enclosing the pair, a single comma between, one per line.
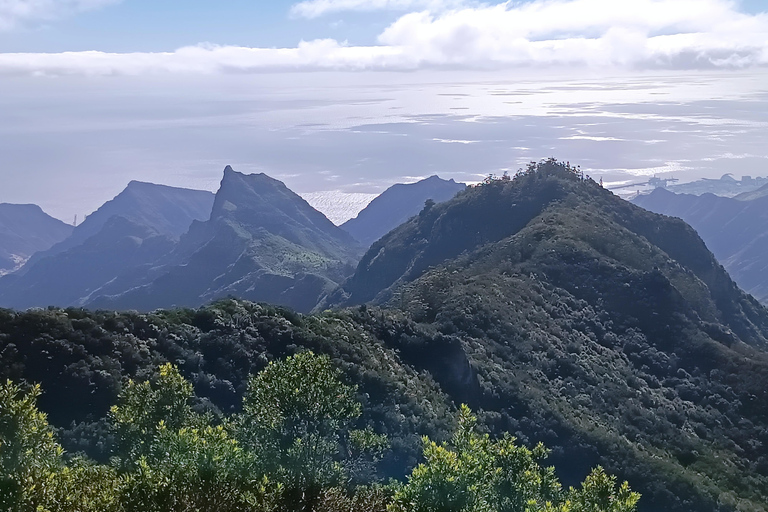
(262,242)
(165,210)
(158,246)
(24,230)
(734,229)
(560,312)
(123,237)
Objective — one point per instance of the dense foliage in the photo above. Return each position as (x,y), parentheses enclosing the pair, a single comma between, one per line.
(558,312)
(606,331)
(271,457)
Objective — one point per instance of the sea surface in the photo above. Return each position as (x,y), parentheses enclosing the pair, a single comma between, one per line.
(71,143)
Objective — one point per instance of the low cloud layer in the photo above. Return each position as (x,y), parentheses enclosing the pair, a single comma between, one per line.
(19,12)
(632,34)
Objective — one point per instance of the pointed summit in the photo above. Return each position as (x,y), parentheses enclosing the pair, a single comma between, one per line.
(263,242)
(259,201)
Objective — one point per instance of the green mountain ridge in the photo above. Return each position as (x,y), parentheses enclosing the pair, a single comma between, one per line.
(617,325)
(559,312)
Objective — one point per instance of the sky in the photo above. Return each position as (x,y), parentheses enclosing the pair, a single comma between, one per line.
(342,98)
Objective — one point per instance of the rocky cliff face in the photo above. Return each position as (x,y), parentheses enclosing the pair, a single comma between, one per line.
(263,242)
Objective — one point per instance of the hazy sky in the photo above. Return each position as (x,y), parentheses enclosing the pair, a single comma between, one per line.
(353,95)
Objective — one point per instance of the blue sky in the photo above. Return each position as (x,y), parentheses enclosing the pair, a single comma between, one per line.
(165,25)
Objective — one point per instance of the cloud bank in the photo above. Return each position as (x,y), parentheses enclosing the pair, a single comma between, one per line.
(17,12)
(633,34)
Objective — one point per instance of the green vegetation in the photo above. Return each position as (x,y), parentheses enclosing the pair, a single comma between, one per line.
(271,457)
(559,313)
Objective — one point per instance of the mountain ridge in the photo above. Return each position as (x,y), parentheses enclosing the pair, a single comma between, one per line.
(396,205)
(168,210)
(262,242)
(586,320)
(24,230)
(734,229)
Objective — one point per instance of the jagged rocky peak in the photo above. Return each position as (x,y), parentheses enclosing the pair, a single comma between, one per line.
(260,200)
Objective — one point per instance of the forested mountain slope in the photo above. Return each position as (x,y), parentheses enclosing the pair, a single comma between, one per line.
(556,310)
(601,328)
(734,229)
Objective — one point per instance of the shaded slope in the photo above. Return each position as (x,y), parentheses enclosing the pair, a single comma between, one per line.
(734,229)
(70,277)
(754,194)
(24,230)
(605,331)
(167,210)
(396,205)
(263,242)
(81,359)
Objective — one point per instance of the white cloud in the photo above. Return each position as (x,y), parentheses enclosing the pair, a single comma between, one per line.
(319,54)
(594,32)
(15,12)
(542,33)
(317,8)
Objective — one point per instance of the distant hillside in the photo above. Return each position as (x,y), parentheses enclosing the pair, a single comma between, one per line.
(262,242)
(113,247)
(71,277)
(24,230)
(167,210)
(396,205)
(754,194)
(734,229)
(726,186)
(603,330)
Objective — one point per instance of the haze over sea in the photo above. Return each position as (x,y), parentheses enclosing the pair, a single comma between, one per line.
(74,142)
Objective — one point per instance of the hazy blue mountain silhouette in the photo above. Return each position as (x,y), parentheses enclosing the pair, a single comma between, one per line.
(734,229)
(24,230)
(166,210)
(263,242)
(396,205)
(125,236)
(70,277)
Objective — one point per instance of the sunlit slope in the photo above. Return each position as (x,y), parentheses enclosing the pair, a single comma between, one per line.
(595,326)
